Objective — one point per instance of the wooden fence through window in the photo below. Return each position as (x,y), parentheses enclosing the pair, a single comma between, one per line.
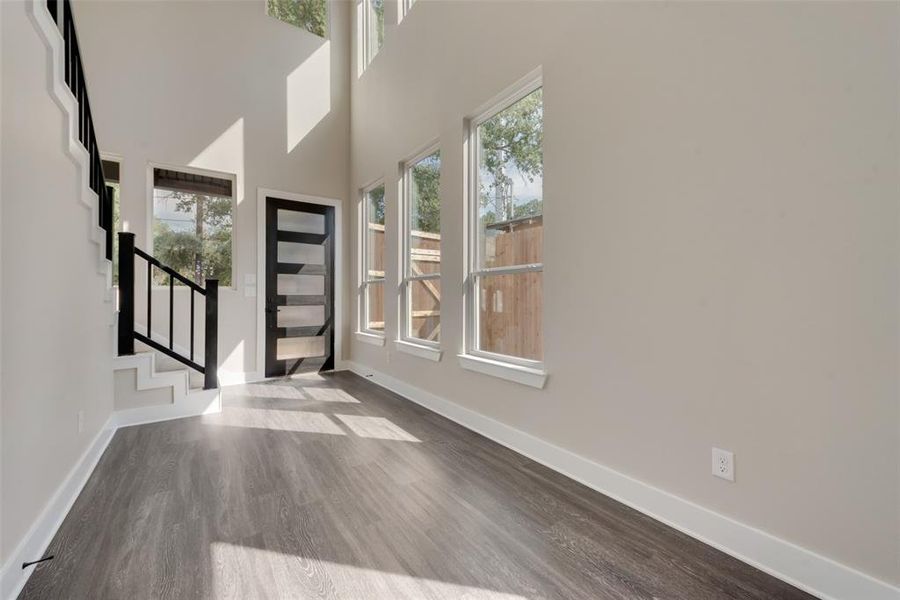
(511,305)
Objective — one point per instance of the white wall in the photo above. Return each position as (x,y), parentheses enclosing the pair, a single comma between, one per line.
(721,243)
(221,87)
(55,324)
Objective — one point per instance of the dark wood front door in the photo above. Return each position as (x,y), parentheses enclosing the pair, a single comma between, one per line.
(299,287)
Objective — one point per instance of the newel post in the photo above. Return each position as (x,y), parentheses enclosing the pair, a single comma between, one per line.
(211,336)
(126,293)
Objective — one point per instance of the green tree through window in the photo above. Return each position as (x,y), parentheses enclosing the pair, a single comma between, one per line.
(426,178)
(311,15)
(192,233)
(512,157)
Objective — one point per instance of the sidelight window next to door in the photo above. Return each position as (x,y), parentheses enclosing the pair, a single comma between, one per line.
(299,287)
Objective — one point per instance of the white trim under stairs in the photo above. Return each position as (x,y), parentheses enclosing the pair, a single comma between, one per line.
(186,402)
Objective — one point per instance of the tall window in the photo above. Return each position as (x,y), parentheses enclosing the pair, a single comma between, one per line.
(406,5)
(504,315)
(192,224)
(311,15)
(372,272)
(372,28)
(421,299)
(111,170)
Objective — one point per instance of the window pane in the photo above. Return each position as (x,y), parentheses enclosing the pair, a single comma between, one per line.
(425,215)
(375,233)
(299,347)
(425,309)
(192,234)
(510,185)
(376,26)
(117,227)
(375,306)
(311,15)
(509,316)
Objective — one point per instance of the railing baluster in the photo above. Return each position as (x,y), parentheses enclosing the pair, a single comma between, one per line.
(126,293)
(192,323)
(67,42)
(87,135)
(149,299)
(171,311)
(211,335)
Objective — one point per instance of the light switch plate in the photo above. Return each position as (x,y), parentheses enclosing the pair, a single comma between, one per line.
(249,278)
(250,291)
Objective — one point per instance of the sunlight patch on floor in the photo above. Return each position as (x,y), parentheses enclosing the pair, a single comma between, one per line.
(264,390)
(321,394)
(377,428)
(277,420)
(237,569)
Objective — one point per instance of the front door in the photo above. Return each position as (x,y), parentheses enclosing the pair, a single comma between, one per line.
(299,287)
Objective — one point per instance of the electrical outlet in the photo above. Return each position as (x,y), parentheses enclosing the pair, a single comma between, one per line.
(80,421)
(723,464)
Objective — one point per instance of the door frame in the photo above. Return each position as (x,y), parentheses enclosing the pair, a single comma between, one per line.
(338,309)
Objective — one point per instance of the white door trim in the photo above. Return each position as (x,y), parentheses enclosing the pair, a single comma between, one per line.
(261,195)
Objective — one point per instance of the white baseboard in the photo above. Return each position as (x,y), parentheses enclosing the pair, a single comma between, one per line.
(38,538)
(811,572)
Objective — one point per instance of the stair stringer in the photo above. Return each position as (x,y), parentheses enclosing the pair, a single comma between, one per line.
(185,402)
(62,95)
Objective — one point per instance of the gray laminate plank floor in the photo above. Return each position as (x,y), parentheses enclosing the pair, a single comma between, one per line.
(331,487)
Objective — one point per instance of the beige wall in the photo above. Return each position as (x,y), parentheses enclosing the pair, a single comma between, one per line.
(721,243)
(220,86)
(56,332)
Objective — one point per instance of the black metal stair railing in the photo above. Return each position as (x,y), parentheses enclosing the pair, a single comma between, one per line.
(75,79)
(127,334)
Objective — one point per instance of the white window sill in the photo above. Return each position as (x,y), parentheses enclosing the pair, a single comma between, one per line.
(535,378)
(370,338)
(420,350)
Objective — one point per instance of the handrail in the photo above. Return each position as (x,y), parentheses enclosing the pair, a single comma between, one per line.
(169,271)
(75,80)
(127,334)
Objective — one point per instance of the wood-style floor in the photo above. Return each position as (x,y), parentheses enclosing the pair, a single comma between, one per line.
(331,487)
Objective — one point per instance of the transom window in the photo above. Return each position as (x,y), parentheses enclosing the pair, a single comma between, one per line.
(192,224)
(421,289)
(372,261)
(371,29)
(504,316)
(311,15)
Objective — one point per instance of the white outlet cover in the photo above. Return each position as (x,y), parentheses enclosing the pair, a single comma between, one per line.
(723,464)
(249,278)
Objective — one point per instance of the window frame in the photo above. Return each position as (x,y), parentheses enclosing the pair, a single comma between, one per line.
(405,7)
(406,275)
(525,86)
(363,273)
(115,158)
(193,171)
(367,41)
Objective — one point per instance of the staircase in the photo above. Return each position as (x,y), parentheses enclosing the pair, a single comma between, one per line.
(162,386)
